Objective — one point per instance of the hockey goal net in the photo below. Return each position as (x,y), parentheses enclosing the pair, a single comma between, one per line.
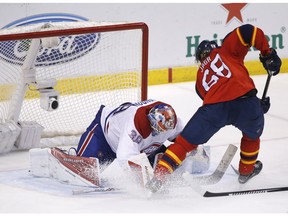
(58,74)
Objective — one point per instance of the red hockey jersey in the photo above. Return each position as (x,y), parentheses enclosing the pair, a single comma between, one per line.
(222,76)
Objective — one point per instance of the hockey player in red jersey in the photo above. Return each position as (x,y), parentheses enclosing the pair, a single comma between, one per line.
(229,98)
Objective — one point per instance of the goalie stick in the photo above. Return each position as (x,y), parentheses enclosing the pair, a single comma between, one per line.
(245,192)
(92,190)
(217,175)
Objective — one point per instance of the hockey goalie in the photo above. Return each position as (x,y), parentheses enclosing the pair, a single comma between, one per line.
(121,141)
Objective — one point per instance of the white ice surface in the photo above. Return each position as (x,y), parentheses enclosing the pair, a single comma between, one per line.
(21,193)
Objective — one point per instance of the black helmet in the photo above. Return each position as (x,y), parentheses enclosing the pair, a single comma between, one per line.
(204,49)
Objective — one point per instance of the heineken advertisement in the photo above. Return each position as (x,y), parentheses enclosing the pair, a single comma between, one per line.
(175,30)
(275,41)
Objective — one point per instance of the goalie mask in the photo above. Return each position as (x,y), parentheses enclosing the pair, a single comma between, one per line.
(204,49)
(162,118)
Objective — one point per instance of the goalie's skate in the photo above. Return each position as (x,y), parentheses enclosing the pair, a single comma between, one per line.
(257,169)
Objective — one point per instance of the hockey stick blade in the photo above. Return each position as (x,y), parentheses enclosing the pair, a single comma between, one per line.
(235,170)
(217,175)
(245,192)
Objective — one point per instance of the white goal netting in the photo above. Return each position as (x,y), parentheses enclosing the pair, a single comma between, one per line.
(79,71)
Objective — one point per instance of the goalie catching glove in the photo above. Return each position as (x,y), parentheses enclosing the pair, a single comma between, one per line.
(271,62)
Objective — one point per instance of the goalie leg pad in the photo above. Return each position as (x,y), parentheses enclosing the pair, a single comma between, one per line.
(39,162)
(54,163)
(198,161)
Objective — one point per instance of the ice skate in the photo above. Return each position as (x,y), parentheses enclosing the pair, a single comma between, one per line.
(257,169)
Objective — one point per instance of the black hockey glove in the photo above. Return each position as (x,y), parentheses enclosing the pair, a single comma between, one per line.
(271,62)
(265,103)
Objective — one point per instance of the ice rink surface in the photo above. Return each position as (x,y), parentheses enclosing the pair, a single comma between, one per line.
(22,193)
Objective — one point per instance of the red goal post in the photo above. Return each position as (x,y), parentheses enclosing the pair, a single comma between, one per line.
(110,73)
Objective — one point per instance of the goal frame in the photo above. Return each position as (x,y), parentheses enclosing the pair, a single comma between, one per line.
(105,28)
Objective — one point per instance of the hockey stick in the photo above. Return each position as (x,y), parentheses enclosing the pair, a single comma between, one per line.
(266,86)
(245,192)
(92,190)
(217,175)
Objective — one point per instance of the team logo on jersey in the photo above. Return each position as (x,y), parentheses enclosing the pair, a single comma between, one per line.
(68,49)
(151,148)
